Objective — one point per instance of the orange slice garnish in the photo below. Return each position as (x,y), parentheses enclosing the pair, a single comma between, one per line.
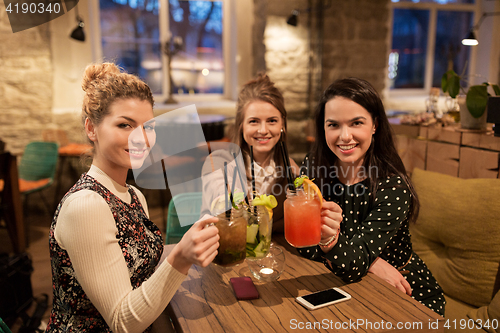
(310,189)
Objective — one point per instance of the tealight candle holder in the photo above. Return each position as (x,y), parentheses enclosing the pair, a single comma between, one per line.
(270,267)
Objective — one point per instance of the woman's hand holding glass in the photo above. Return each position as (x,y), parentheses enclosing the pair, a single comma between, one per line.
(331,217)
(198,246)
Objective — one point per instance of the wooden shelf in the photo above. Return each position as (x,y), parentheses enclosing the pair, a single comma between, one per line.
(449,150)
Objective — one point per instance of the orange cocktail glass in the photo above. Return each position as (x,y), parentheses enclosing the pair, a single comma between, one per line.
(302,219)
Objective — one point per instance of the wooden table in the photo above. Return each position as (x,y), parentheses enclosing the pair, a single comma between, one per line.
(66,153)
(205,302)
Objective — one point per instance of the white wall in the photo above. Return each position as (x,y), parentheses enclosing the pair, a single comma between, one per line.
(488,49)
(69,58)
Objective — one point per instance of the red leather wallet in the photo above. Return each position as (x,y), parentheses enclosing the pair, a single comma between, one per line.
(244,288)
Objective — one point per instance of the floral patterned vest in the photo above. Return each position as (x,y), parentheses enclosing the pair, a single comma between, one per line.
(141,244)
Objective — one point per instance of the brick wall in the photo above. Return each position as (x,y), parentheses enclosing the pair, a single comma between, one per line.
(352,41)
(25,84)
(355,41)
(354,44)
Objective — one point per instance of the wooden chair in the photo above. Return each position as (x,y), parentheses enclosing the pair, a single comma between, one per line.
(55,135)
(10,201)
(66,148)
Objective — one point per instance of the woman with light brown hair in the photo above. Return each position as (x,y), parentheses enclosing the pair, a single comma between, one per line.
(261,122)
(109,270)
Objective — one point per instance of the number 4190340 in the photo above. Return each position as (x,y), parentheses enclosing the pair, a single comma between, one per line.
(469,324)
(33,8)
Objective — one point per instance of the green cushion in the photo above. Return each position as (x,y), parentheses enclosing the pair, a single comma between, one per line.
(457,233)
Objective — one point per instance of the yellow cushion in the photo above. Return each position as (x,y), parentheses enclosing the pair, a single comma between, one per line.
(456,317)
(457,233)
(486,315)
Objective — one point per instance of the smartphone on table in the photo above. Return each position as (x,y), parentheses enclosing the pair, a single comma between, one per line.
(323,298)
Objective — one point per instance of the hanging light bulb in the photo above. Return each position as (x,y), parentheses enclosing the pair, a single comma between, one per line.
(471,39)
(293,19)
(78,33)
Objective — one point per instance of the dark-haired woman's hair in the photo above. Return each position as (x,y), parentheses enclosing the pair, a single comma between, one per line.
(259,89)
(381,159)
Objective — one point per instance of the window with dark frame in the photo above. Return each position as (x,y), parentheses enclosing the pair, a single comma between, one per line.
(424,26)
(131,37)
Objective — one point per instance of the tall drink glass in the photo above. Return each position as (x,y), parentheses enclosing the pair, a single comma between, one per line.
(302,219)
(259,229)
(233,237)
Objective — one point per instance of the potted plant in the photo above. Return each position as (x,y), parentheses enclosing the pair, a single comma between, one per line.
(472,110)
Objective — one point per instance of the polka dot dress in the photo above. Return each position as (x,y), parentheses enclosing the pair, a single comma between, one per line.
(375,229)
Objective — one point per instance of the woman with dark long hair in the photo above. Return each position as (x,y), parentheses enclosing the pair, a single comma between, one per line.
(370,200)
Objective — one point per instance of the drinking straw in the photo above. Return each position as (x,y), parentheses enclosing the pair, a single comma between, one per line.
(232,190)
(283,154)
(253,178)
(225,191)
(165,180)
(164,173)
(251,168)
(241,178)
(286,161)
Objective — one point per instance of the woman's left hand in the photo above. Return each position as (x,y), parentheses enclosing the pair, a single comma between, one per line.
(331,217)
(390,274)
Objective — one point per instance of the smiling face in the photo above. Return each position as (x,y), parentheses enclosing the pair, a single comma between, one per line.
(123,138)
(349,128)
(262,126)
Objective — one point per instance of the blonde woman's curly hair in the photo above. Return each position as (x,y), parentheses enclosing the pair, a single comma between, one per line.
(105,83)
